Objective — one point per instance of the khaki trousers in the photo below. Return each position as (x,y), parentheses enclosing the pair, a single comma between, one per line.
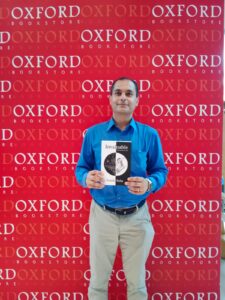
(134,234)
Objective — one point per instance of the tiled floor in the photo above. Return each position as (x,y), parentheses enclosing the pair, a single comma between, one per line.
(222,280)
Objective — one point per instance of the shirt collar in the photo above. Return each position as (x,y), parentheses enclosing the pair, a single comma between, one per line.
(112,124)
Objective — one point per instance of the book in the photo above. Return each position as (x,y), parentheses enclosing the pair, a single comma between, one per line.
(115,161)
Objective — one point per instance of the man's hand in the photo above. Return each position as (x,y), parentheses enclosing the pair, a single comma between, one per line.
(95,180)
(137,185)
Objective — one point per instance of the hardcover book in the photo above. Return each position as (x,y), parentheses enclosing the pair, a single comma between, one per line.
(115,161)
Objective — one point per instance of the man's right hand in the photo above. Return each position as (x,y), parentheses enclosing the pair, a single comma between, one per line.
(95,180)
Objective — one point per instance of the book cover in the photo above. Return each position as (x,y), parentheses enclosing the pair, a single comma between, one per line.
(115,161)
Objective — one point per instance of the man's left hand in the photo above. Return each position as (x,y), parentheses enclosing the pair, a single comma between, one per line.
(137,185)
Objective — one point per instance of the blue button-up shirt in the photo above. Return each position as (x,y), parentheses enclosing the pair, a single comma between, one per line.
(146,160)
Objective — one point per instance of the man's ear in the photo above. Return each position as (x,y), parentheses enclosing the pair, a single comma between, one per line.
(110,99)
(137,101)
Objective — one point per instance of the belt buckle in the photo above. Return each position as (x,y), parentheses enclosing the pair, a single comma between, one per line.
(125,211)
(120,211)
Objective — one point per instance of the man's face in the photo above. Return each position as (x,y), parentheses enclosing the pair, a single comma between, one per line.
(123,99)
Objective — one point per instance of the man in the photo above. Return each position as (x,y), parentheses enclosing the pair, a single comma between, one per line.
(119,214)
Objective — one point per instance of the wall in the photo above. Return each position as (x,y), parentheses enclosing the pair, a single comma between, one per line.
(58,61)
(223,165)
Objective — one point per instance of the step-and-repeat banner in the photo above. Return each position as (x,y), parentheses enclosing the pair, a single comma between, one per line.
(58,61)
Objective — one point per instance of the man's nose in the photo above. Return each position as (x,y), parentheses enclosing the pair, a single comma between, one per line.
(123,97)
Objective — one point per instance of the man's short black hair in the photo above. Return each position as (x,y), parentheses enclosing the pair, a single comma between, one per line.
(125,78)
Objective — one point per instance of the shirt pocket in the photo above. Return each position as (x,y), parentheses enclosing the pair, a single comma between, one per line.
(140,163)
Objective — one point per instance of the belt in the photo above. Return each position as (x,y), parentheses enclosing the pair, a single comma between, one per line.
(124,211)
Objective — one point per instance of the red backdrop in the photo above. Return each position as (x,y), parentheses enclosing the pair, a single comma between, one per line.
(58,61)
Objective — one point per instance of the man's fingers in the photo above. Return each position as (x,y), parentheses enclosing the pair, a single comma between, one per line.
(96,185)
(97,174)
(136,185)
(135,179)
(132,184)
(95,179)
